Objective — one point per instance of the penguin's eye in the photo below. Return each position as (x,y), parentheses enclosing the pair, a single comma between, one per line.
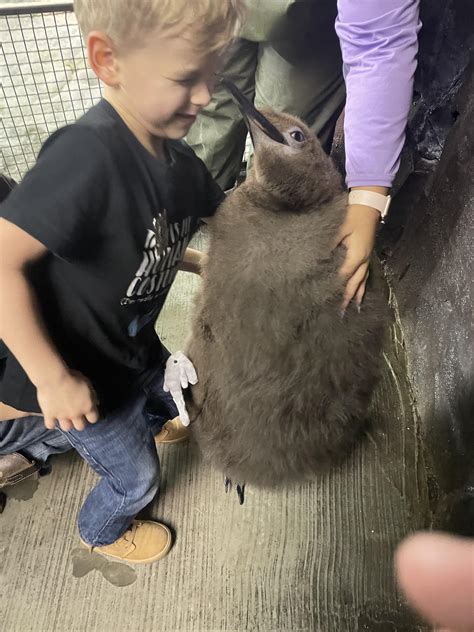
(298,136)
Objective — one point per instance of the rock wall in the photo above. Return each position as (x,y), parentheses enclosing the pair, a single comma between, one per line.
(428,243)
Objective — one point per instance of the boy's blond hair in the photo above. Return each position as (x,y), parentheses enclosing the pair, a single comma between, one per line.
(212,23)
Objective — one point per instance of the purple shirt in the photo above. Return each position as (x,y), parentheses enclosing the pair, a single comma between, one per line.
(379,42)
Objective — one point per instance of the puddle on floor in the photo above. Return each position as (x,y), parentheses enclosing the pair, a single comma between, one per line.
(23,491)
(116,573)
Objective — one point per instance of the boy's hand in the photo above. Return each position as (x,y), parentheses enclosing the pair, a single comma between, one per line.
(193,261)
(70,400)
(357,234)
(179,373)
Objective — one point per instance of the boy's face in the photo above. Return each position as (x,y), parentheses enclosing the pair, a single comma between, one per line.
(165,83)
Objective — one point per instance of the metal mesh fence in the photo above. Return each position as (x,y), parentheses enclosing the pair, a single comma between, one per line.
(45,79)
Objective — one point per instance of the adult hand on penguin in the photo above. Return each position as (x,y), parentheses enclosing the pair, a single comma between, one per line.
(357,234)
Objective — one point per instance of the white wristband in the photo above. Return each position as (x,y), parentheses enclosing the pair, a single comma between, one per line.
(369,198)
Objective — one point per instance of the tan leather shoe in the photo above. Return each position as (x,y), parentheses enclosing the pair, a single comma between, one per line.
(172,432)
(144,542)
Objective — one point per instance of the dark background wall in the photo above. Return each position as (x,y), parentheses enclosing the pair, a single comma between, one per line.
(428,244)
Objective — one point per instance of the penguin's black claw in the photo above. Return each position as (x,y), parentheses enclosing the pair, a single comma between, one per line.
(241,493)
(240,489)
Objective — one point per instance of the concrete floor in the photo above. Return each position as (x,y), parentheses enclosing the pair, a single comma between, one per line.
(315,558)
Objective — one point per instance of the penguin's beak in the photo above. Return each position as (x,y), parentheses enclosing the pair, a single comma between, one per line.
(257,124)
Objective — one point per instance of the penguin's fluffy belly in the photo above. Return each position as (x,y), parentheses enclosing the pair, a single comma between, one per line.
(274,457)
(271,430)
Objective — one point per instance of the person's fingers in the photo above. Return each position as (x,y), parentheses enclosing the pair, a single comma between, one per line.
(361,291)
(166,388)
(350,266)
(49,422)
(93,416)
(79,423)
(436,572)
(65,424)
(353,285)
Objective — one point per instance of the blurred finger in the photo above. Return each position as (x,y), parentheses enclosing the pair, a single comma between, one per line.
(436,572)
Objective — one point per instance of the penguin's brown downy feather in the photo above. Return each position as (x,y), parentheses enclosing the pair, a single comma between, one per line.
(284,379)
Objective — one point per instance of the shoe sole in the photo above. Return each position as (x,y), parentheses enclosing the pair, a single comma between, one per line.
(155,558)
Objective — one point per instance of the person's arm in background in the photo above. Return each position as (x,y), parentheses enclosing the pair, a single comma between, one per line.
(379,43)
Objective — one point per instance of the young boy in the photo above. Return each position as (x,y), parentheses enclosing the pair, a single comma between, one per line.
(91,241)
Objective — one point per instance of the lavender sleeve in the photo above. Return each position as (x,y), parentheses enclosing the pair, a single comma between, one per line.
(379,42)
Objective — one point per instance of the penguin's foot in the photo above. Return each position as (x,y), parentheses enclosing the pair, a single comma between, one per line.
(239,488)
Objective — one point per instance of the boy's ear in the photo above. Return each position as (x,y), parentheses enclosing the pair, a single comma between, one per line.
(102,58)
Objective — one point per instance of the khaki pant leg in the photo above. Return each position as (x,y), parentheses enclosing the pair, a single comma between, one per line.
(218,136)
(300,68)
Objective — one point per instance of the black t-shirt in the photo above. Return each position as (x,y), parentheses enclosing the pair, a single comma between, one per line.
(116,222)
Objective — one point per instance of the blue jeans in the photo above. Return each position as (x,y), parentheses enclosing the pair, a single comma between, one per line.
(120,448)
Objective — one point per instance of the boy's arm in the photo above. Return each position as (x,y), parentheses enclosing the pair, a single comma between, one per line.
(62,394)
(193,261)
